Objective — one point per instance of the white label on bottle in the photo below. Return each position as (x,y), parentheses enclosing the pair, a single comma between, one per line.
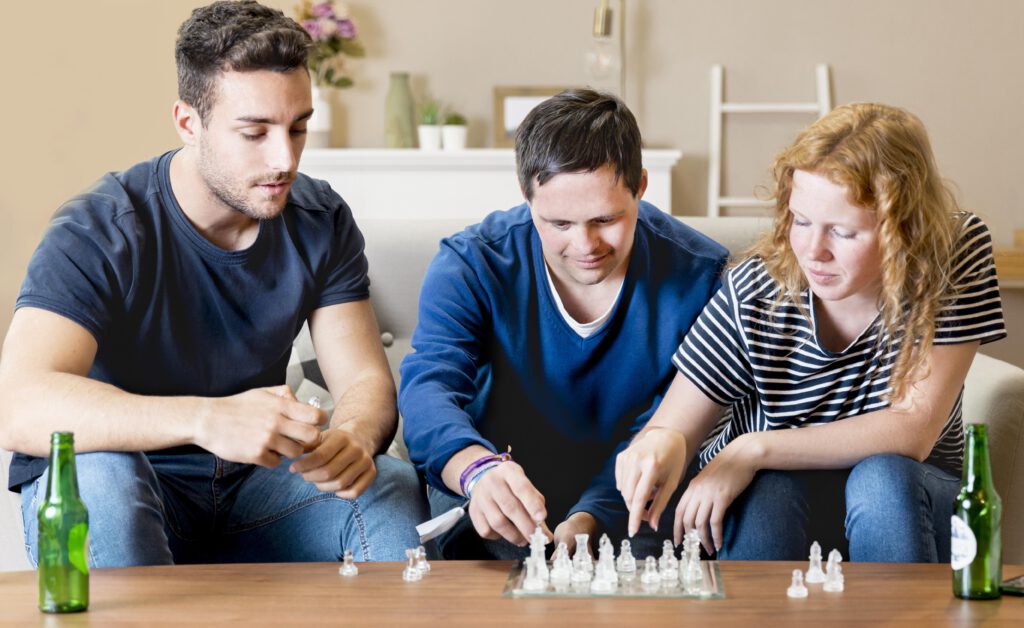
(963,546)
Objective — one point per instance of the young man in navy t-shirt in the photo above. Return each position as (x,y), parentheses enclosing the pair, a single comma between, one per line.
(156,321)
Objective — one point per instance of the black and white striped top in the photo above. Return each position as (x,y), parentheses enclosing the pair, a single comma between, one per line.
(774,374)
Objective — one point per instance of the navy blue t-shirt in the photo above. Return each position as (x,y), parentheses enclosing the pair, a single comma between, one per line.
(172,313)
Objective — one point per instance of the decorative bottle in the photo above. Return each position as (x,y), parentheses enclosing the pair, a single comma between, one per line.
(399,119)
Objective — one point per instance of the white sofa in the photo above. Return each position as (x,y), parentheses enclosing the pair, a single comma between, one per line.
(399,251)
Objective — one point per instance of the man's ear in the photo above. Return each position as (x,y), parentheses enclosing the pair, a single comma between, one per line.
(186,122)
(643,184)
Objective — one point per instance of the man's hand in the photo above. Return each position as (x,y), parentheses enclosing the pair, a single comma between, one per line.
(712,491)
(649,470)
(505,504)
(577,523)
(341,463)
(259,426)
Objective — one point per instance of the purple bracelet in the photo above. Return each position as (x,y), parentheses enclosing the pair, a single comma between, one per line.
(479,462)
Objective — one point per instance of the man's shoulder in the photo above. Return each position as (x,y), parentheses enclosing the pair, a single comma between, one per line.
(669,235)
(498,230)
(113,199)
(314,195)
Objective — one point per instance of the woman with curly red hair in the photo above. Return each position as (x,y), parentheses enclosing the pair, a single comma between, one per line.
(858,315)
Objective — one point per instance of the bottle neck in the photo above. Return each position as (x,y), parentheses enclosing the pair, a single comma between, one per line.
(63,479)
(977,465)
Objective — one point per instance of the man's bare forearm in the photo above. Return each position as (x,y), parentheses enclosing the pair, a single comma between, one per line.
(368,410)
(102,416)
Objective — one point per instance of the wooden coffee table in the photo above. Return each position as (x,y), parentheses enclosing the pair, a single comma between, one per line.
(469,593)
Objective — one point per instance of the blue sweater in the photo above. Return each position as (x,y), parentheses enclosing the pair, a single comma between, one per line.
(495,364)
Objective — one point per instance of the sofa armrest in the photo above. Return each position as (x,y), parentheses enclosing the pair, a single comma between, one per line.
(994,395)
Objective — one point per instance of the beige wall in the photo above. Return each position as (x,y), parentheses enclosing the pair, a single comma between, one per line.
(90,83)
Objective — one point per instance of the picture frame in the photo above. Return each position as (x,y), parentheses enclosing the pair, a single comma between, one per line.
(511,104)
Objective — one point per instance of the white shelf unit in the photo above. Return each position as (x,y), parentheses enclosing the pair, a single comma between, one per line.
(471,183)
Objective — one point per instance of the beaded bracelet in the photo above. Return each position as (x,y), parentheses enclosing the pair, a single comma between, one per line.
(479,462)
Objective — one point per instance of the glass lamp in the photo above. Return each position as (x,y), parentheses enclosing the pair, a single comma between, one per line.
(604,60)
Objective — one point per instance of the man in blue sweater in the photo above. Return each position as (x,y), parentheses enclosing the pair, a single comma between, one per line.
(549,329)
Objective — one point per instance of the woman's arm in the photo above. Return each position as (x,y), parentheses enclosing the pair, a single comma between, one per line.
(652,466)
(909,428)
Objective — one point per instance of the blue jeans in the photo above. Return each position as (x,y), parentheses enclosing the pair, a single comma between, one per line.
(896,510)
(153,509)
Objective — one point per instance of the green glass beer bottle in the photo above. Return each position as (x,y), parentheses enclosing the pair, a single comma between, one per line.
(977,549)
(63,534)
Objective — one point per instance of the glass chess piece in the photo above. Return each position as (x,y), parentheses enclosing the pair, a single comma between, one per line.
(650,578)
(421,560)
(582,560)
(690,572)
(814,571)
(411,573)
(533,581)
(561,566)
(348,567)
(668,564)
(834,581)
(796,587)
(626,562)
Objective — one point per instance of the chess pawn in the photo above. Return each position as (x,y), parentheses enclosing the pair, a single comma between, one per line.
(797,588)
(411,573)
(348,567)
(602,584)
(626,562)
(814,571)
(668,564)
(834,581)
(668,558)
(650,579)
(421,560)
(561,569)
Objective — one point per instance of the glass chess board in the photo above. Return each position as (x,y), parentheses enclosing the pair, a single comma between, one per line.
(710,588)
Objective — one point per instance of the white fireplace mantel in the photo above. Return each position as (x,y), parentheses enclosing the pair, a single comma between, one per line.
(415,184)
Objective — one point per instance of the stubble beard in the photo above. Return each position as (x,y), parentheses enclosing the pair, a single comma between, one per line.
(226,191)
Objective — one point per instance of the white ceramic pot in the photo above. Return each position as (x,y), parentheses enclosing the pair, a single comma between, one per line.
(430,136)
(453,136)
(318,127)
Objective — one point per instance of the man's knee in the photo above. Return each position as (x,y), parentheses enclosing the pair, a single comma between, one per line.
(126,524)
(399,477)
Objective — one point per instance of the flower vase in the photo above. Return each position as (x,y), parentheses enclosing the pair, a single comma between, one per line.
(399,126)
(318,127)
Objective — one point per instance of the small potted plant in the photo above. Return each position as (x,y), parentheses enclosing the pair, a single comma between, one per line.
(430,125)
(454,131)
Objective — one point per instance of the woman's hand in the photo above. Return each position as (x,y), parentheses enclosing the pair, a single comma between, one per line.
(649,470)
(713,490)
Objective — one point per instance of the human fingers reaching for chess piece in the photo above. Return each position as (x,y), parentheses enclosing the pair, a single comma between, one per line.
(648,472)
(503,503)
(708,495)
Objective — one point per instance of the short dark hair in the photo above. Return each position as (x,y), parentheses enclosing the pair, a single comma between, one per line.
(234,36)
(579,130)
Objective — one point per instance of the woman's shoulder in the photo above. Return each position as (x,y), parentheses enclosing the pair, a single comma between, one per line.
(749,280)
